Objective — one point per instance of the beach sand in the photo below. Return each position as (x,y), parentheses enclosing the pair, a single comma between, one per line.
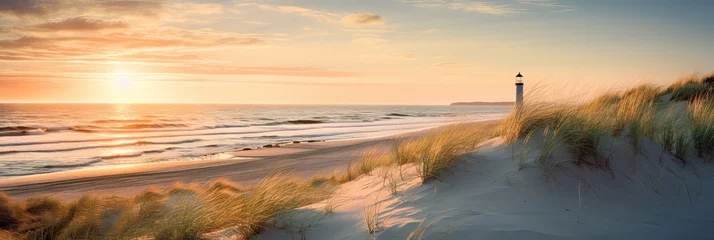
(650,195)
(244,167)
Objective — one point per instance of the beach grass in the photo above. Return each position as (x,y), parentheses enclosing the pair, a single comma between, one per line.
(432,154)
(638,113)
(701,114)
(181,212)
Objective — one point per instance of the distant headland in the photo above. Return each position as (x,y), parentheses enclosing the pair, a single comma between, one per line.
(481,104)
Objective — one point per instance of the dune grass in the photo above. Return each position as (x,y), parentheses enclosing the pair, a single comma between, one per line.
(638,114)
(681,82)
(701,115)
(708,79)
(371,218)
(691,87)
(432,154)
(182,212)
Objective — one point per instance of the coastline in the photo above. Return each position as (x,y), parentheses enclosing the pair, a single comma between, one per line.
(303,160)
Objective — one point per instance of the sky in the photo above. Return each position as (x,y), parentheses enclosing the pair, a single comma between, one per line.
(411,52)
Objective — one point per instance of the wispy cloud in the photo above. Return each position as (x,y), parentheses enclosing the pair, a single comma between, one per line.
(43,9)
(347,19)
(20,8)
(362,19)
(81,24)
(487,7)
(198,8)
(481,7)
(321,16)
(553,4)
(98,45)
(467,6)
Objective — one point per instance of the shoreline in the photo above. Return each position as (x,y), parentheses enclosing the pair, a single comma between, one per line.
(303,160)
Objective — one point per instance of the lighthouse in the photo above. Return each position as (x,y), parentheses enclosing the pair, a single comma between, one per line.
(519,89)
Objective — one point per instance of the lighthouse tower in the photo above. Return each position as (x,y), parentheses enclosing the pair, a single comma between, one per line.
(519,89)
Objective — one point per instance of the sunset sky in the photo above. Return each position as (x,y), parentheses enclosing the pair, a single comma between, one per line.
(341,52)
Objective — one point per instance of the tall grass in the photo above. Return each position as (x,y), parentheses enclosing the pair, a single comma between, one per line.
(183,212)
(432,154)
(708,79)
(691,91)
(681,82)
(637,113)
(690,87)
(371,218)
(581,127)
(682,145)
(701,116)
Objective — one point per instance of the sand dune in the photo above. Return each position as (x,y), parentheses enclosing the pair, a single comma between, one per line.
(650,195)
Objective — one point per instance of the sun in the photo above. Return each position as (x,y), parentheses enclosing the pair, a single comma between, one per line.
(122,81)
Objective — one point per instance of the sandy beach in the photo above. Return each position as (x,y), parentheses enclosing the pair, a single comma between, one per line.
(245,167)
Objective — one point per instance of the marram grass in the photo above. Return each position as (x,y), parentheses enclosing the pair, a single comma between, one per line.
(182,212)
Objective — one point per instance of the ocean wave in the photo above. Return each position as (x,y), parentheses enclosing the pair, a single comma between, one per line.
(37,131)
(190,134)
(136,154)
(124,155)
(152,125)
(137,143)
(75,165)
(103,121)
(17,128)
(230,126)
(303,121)
(398,115)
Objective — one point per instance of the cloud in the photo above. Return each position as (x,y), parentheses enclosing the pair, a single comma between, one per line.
(48,9)
(129,7)
(76,24)
(549,4)
(362,19)
(181,70)
(261,70)
(20,8)
(100,45)
(321,16)
(487,7)
(156,57)
(198,8)
(357,19)
(482,7)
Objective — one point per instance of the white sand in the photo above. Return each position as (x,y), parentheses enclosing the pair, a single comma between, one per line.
(486,196)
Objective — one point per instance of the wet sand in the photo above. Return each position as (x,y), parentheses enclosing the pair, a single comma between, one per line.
(247,167)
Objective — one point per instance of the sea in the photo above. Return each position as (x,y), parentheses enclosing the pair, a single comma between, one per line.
(44,138)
